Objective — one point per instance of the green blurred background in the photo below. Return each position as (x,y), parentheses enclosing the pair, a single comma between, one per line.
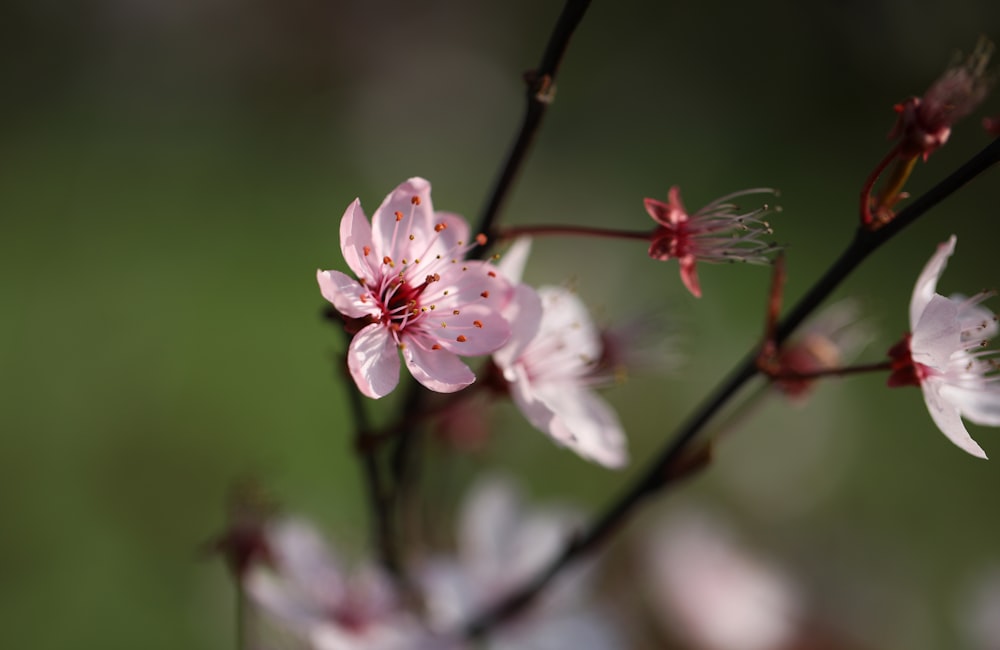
(173,173)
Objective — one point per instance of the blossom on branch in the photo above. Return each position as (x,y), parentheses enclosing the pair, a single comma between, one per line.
(830,339)
(924,123)
(944,355)
(414,292)
(552,364)
(718,232)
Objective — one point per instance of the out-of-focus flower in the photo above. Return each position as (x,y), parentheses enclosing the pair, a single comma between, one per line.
(552,364)
(305,589)
(829,341)
(718,232)
(414,292)
(978,610)
(715,594)
(500,546)
(944,355)
(924,123)
(640,344)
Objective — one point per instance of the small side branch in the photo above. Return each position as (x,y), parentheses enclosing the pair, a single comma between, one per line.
(540,93)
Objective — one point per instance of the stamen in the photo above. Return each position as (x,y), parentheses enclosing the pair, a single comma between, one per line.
(461,338)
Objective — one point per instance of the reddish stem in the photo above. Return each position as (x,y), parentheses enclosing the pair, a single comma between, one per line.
(867,219)
(580,231)
(791,375)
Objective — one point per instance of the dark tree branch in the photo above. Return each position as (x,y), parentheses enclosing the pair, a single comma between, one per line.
(539,94)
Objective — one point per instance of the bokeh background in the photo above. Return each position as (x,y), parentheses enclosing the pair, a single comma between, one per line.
(173,173)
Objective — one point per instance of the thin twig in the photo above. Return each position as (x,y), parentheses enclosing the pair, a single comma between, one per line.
(539,94)
(845,371)
(652,479)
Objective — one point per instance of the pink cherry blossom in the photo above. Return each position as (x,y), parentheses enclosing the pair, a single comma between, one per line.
(944,355)
(552,364)
(415,293)
(717,232)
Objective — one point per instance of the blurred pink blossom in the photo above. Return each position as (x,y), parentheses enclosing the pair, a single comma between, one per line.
(717,232)
(552,363)
(716,594)
(414,292)
(306,590)
(827,342)
(502,544)
(943,355)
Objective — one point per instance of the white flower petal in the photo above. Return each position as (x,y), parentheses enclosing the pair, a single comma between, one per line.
(346,294)
(524,313)
(373,361)
(512,262)
(304,557)
(980,404)
(947,418)
(355,239)
(937,334)
(438,370)
(926,285)
(584,422)
(406,211)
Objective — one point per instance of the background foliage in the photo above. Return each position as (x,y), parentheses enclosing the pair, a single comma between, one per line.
(173,173)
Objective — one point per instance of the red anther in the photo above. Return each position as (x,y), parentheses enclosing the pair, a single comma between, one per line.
(415,200)
(481,239)
(367,250)
(439,227)
(399,215)
(461,338)
(478,323)
(485,294)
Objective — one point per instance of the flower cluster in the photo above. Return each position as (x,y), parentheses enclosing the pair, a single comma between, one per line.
(415,292)
(305,592)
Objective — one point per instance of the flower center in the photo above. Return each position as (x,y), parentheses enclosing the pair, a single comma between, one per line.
(905,371)
(401,303)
